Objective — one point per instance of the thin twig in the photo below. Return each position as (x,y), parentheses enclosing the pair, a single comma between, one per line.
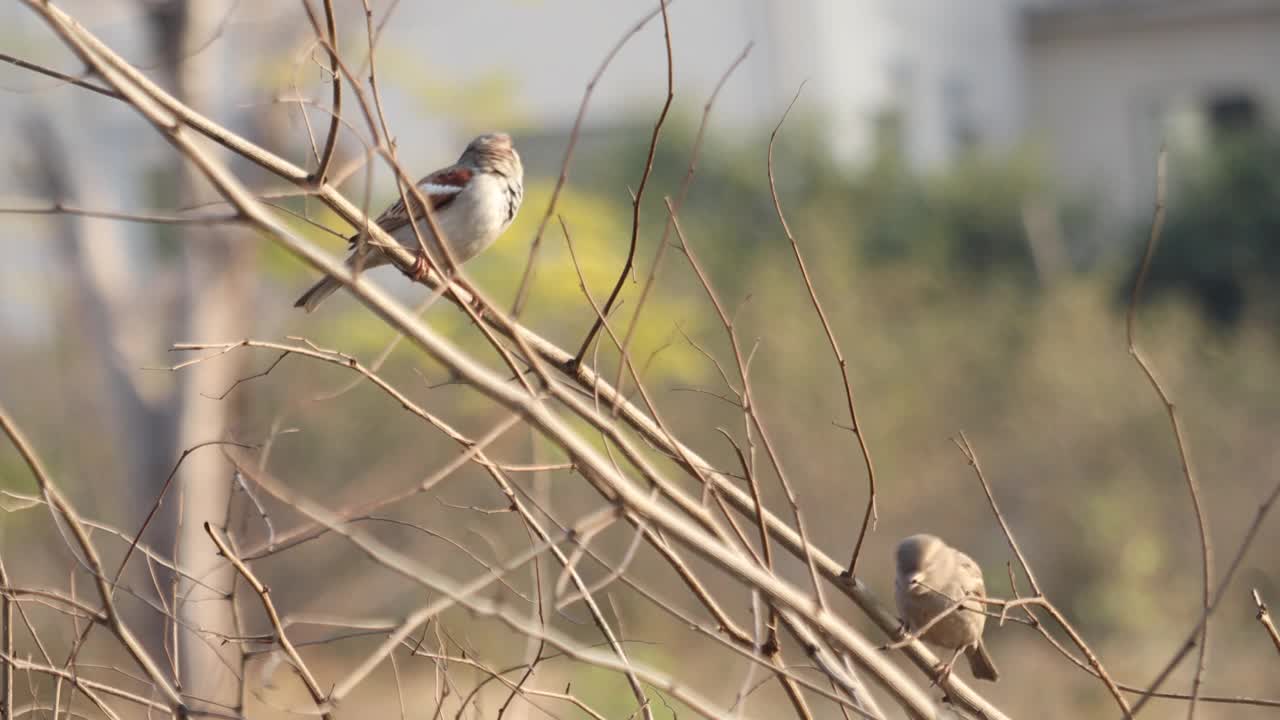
(1193,486)
(474,452)
(61,508)
(274,617)
(526,279)
(1264,508)
(1040,599)
(159,501)
(331,142)
(972,458)
(1264,617)
(769,646)
(639,193)
(869,516)
(694,154)
(751,408)
(78,82)
(59,208)
(6,644)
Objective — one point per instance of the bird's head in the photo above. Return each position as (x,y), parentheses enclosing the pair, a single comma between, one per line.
(493,152)
(917,556)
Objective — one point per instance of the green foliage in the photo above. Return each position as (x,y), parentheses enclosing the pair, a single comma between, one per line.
(479,104)
(965,222)
(608,692)
(15,476)
(600,231)
(1219,243)
(277,262)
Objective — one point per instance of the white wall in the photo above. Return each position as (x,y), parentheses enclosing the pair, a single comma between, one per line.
(1101,95)
(853,53)
(939,62)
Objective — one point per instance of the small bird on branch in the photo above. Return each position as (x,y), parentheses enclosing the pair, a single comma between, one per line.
(935,578)
(473,202)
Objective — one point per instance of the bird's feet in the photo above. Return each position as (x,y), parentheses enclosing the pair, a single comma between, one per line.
(478,306)
(418,271)
(942,670)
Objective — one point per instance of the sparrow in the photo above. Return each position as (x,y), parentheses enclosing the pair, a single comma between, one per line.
(474,201)
(932,577)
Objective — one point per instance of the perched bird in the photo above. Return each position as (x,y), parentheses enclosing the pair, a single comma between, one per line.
(932,578)
(474,201)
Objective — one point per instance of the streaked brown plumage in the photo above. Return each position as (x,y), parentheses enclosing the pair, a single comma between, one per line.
(474,201)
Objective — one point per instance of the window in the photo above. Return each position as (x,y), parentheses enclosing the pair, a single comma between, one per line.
(957,108)
(1232,113)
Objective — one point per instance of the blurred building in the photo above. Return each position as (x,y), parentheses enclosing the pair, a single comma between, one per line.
(947,75)
(940,76)
(1108,82)
(1097,84)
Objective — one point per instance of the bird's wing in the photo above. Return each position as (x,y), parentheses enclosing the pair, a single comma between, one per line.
(971,575)
(440,188)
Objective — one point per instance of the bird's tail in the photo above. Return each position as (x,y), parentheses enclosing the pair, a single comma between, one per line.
(980,662)
(312,298)
(328,285)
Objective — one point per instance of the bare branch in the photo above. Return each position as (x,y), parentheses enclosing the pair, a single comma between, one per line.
(59,208)
(78,82)
(6,646)
(1039,598)
(869,515)
(331,142)
(274,617)
(61,508)
(639,193)
(1264,508)
(1264,617)
(526,280)
(1193,486)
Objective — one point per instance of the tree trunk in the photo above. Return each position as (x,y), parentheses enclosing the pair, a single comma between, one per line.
(212,303)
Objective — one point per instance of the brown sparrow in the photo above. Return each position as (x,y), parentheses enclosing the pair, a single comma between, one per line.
(474,201)
(933,577)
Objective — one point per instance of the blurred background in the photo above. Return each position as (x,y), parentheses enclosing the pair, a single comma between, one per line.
(971,185)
